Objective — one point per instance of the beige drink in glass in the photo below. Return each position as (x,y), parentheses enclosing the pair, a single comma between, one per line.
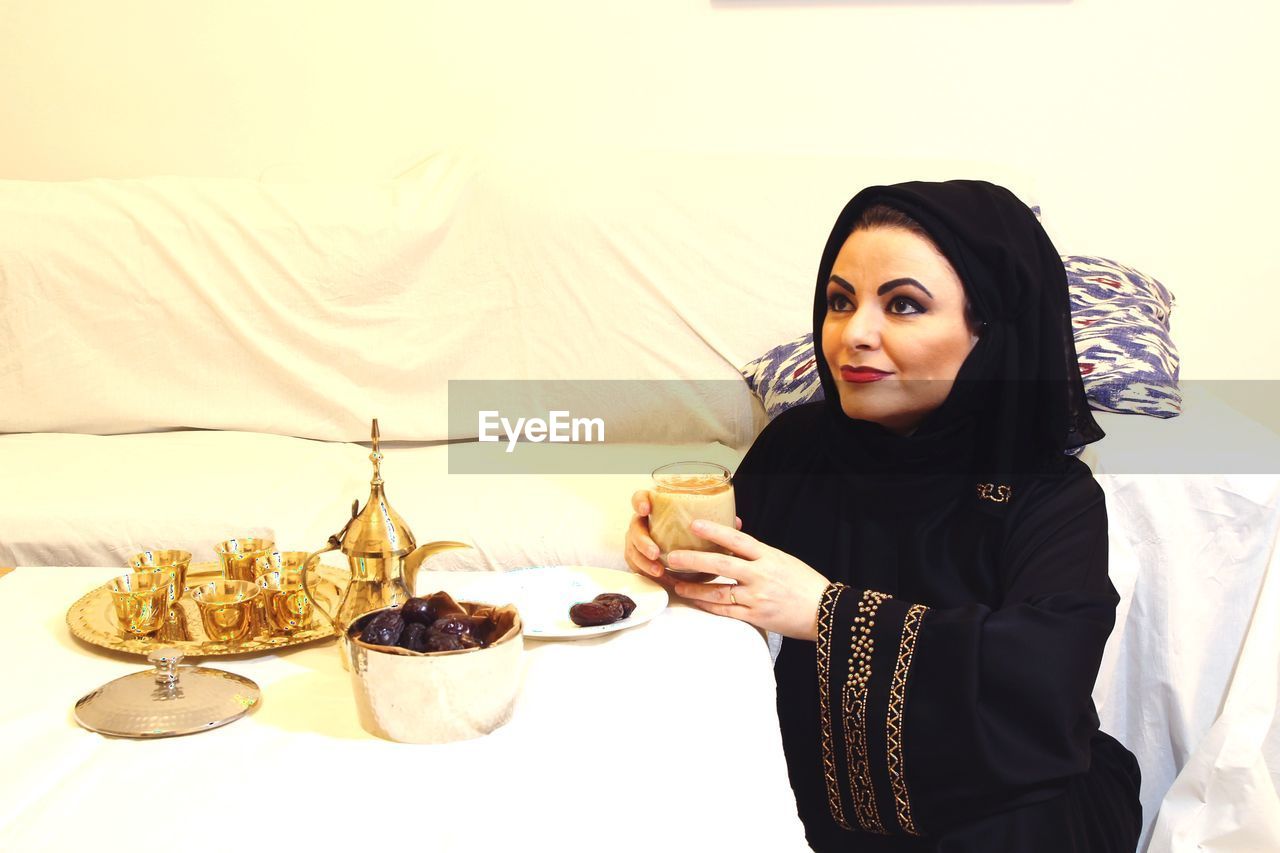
(683,492)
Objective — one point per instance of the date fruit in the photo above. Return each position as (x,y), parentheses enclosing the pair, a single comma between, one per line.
(591,613)
(451,625)
(442,604)
(384,629)
(414,637)
(439,641)
(418,611)
(628,606)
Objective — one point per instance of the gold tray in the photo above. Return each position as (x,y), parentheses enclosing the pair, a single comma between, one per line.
(93,619)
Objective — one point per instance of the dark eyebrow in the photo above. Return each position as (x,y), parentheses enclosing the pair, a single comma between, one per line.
(899,282)
(886,287)
(846,285)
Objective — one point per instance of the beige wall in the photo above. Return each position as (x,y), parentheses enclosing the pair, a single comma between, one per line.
(1150,125)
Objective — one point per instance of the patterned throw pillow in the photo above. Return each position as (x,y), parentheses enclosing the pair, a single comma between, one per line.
(1120,319)
(785,376)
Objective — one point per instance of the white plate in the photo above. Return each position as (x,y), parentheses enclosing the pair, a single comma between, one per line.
(544,594)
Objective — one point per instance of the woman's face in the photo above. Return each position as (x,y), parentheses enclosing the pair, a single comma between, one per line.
(895,333)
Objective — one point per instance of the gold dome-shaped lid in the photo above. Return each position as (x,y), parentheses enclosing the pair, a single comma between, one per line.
(378,529)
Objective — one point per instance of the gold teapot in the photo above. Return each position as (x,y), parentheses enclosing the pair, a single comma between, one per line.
(382,553)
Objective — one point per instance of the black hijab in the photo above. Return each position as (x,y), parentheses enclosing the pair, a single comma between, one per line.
(1018,400)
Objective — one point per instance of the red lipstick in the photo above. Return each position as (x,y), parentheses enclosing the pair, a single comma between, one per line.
(862,374)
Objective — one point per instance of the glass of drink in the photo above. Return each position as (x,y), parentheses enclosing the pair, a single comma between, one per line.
(683,492)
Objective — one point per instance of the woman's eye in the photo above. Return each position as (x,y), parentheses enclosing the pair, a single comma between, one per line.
(904,305)
(838,302)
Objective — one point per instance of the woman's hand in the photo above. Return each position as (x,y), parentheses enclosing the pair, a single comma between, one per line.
(774,590)
(641,552)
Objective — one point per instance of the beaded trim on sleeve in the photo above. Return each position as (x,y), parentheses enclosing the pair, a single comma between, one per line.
(826,615)
(893,717)
(855,711)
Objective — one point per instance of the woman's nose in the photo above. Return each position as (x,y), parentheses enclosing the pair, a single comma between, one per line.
(862,331)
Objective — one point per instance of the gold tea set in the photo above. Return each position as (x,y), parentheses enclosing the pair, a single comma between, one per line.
(262,599)
(255,597)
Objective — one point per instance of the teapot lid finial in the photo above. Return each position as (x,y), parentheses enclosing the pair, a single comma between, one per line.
(376,456)
(377,529)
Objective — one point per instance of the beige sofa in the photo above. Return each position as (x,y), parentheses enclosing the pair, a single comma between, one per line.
(185,360)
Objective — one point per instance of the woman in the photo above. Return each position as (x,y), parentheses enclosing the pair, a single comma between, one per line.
(935,562)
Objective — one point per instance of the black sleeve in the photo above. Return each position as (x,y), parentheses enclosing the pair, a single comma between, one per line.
(934,717)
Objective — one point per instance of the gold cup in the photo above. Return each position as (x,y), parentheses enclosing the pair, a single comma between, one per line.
(237,556)
(286,603)
(165,560)
(226,608)
(141,600)
(284,561)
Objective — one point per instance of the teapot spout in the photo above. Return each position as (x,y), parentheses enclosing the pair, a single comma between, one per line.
(416,557)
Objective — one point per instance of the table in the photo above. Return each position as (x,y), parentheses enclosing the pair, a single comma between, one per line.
(663,736)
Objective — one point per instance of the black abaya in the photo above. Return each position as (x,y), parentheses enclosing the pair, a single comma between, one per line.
(995,630)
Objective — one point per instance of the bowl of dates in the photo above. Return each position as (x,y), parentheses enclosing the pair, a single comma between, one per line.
(435,670)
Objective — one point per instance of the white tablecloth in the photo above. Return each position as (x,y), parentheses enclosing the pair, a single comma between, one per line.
(663,736)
